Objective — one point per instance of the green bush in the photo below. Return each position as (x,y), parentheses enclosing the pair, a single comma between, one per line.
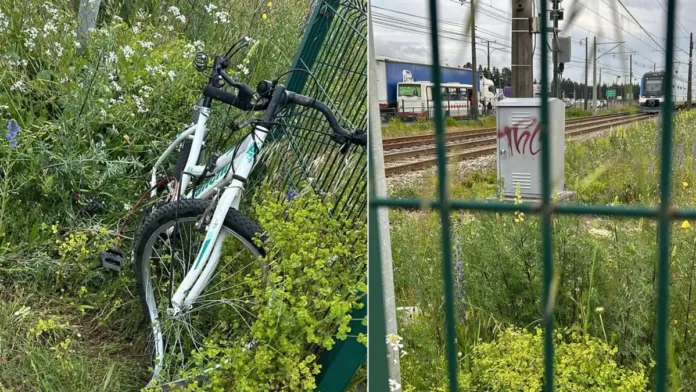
(514,362)
(317,274)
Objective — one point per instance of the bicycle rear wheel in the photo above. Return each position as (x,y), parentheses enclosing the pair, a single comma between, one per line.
(166,248)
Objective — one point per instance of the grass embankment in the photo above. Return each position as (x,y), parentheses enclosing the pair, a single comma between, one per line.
(605,293)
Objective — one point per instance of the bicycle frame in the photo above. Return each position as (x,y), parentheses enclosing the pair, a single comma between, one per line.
(231,171)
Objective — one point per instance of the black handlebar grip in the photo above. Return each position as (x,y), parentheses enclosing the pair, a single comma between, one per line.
(220,95)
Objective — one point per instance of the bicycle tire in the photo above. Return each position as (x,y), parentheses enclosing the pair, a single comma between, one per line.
(166,216)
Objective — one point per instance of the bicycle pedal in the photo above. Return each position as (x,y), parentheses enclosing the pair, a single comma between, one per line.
(112,259)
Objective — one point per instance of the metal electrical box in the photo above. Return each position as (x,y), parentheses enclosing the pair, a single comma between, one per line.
(519,145)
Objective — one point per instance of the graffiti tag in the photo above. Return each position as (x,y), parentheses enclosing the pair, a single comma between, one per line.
(521,136)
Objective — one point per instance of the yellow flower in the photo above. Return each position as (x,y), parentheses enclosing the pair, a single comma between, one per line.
(126,138)
(685,225)
(685,184)
(270,4)
(264,16)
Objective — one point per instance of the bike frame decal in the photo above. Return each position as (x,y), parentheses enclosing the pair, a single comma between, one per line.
(200,255)
(212,181)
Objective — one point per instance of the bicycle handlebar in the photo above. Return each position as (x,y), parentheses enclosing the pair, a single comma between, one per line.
(231,99)
(340,135)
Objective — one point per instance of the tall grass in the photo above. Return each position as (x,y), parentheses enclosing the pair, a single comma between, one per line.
(605,265)
(83,125)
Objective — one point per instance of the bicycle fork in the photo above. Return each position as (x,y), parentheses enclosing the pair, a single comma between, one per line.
(209,255)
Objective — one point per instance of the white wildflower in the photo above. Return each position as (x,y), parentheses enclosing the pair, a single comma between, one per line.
(117,19)
(51,10)
(221,17)
(115,86)
(127,206)
(111,58)
(174,11)
(210,7)
(394,341)
(170,28)
(394,386)
(146,44)
(58,48)
(145,91)
(157,35)
(243,69)
(78,45)
(4,107)
(199,45)
(18,85)
(48,28)
(140,104)
(171,75)
(64,79)
(33,32)
(4,22)
(189,50)
(181,18)
(127,51)
(135,29)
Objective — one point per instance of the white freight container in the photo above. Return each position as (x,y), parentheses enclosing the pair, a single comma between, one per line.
(519,145)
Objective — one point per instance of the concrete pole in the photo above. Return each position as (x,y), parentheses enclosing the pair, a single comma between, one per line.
(86,20)
(594,79)
(630,95)
(691,73)
(474,83)
(522,48)
(380,188)
(554,91)
(587,66)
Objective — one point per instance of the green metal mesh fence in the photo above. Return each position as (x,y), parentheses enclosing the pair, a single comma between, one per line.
(330,66)
(663,213)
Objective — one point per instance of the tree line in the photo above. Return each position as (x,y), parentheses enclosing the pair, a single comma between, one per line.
(503,77)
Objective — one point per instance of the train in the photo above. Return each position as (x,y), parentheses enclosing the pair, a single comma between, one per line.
(652,95)
(405,89)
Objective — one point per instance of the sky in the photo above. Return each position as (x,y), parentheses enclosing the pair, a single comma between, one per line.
(401,33)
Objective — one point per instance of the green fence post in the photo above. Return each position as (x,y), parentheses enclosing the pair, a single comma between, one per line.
(339,364)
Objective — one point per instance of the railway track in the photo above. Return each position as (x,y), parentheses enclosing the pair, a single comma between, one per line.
(460,148)
(398,143)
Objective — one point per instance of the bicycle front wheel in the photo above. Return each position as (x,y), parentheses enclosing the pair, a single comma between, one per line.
(167,246)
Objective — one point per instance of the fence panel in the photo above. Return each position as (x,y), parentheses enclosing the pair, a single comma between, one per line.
(663,213)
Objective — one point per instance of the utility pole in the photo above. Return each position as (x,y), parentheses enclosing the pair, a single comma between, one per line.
(631,77)
(594,79)
(587,46)
(474,73)
(554,15)
(522,48)
(691,73)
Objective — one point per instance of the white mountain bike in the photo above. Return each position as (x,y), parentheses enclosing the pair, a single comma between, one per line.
(191,296)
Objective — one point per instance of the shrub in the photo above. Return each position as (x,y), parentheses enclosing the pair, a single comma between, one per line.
(514,362)
(317,265)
